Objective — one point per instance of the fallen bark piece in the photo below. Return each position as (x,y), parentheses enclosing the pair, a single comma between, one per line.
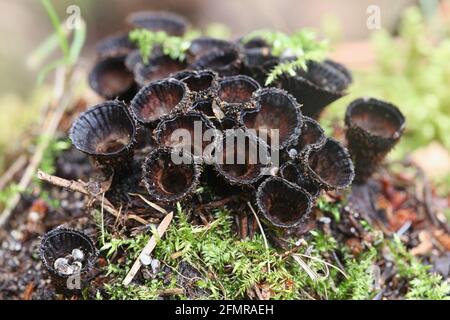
(151,244)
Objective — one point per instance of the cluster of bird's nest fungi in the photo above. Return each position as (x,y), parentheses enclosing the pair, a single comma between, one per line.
(220,86)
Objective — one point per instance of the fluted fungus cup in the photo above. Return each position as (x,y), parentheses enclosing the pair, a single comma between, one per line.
(373,128)
(276,113)
(170,174)
(235,93)
(159,67)
(106,133)
(312,137)
(330,167)
(202,84)
(317,87)
(292,172)
(68,255)
(283,204)
(242,159)
(111,79)
(158,99)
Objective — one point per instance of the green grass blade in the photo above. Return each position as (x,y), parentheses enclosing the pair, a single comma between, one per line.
(79,38)
(56,23)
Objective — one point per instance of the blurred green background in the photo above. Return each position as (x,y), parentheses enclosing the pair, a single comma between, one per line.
(406,62)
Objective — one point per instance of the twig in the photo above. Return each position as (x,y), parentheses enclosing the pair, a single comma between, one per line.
(151,244)
(171,292)
(80,186)
(151,204)
(12,171)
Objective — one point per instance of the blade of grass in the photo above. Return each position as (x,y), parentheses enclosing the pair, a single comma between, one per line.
(79,38)
(56,23)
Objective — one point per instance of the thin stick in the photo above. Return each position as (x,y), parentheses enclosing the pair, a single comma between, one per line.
(151,244)
(12,171)
(80,186)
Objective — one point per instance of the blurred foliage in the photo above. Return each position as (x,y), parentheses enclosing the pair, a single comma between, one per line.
(413,72)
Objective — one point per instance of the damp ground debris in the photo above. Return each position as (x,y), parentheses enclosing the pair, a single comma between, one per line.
(303,232)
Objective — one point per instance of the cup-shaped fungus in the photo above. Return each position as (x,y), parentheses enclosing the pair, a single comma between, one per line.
(111,79)
(158,99)
(241,158)
(373,129)
(292,172)
(317,87)
(67,253)
(226,62)
(282,203)
(311,137)
(192,131)
(202,84)
(277,116)
(236,92)
(158,67)
(170,174)
(330,167)
(106,132)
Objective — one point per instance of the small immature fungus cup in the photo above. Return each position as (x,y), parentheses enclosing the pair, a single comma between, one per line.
(170,23)
(67,253)
(276,113)
(170,174)
(241,158)
(158,99)
(202,84)
(317,87)
(191,130)
(111,79)
(373,129)
(292,172)
(159,67)
(282,203)
(106,132)
(311,137)
(331,167)
(236,92)
(258,62)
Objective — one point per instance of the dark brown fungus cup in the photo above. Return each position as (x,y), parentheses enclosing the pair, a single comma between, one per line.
(317,87)
(115,46)
(170,175)
(236,92)
(241,158)
(159,67)
(292,172)
(202,84)
(158,99)
(133,59)
(111,79)
(106,132)
(277,112)
(67,253)
(282,203)
(331,167)
(257,64)
(187,130)
(226,62)
(373,129)
(170,23)
(204,45)
(312,136)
